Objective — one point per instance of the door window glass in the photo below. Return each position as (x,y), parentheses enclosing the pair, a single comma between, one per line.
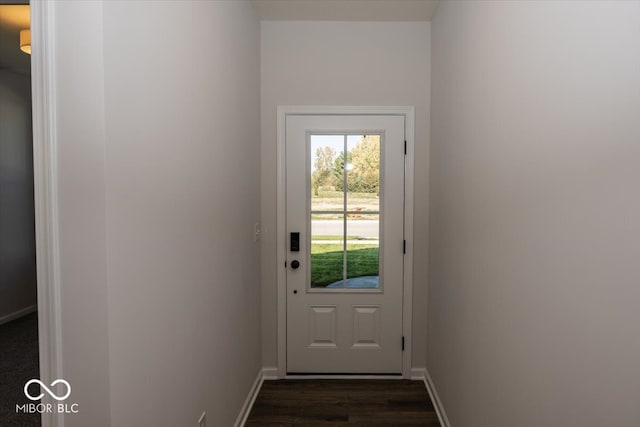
(345,211)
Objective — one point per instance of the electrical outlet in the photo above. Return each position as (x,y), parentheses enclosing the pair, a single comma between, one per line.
(257,231)
(202,421)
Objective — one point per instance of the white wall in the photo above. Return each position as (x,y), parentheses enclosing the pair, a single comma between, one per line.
(182,174)
(17,241)
(535,215)
(158,127)
(343,63)
(79,89)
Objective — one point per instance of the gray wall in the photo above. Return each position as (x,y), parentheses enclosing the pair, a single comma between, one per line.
(17,240)
(344,63)
(158,131)
(535,213)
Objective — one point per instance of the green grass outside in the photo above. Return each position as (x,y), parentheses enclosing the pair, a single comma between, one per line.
(329,200)
(327,262)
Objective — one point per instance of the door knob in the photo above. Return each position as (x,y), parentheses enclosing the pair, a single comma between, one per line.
(295,264)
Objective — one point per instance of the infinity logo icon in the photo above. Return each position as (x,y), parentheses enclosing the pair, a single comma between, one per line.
(47,389)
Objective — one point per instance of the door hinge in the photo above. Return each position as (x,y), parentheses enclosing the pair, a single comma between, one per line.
(404,246)
(285,264)
(405,147)
(402,343)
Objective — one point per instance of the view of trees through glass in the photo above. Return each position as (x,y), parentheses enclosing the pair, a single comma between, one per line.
(345,211)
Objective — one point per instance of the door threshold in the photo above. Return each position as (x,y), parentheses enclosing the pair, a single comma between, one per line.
(341,376)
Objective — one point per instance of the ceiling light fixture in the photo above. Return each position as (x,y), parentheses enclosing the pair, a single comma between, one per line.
(25,41)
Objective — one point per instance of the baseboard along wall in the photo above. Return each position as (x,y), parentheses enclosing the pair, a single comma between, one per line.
(17,314)
(251,398)
(437,403)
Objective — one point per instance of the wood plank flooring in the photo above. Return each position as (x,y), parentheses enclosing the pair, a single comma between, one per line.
(343,403)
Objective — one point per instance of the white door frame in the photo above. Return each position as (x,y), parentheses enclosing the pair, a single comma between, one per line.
(46,199)
(407,299)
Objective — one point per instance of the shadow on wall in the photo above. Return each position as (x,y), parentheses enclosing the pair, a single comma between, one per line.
(17,246)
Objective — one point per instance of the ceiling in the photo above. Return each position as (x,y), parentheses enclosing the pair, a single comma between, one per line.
(345,10)
(13,18)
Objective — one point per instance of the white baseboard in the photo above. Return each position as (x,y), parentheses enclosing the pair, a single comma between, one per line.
(433,394)
(251,398)
(270,373)
(16,314)
(417,374)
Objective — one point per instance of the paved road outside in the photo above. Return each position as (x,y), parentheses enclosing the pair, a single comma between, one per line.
(355,228)
(349,242)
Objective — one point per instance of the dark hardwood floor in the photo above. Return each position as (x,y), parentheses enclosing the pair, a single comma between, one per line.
(343,403)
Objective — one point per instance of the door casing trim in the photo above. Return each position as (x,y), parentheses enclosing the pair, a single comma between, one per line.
(46,200)
(407,299)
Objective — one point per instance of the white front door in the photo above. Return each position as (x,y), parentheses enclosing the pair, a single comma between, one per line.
(344,224)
